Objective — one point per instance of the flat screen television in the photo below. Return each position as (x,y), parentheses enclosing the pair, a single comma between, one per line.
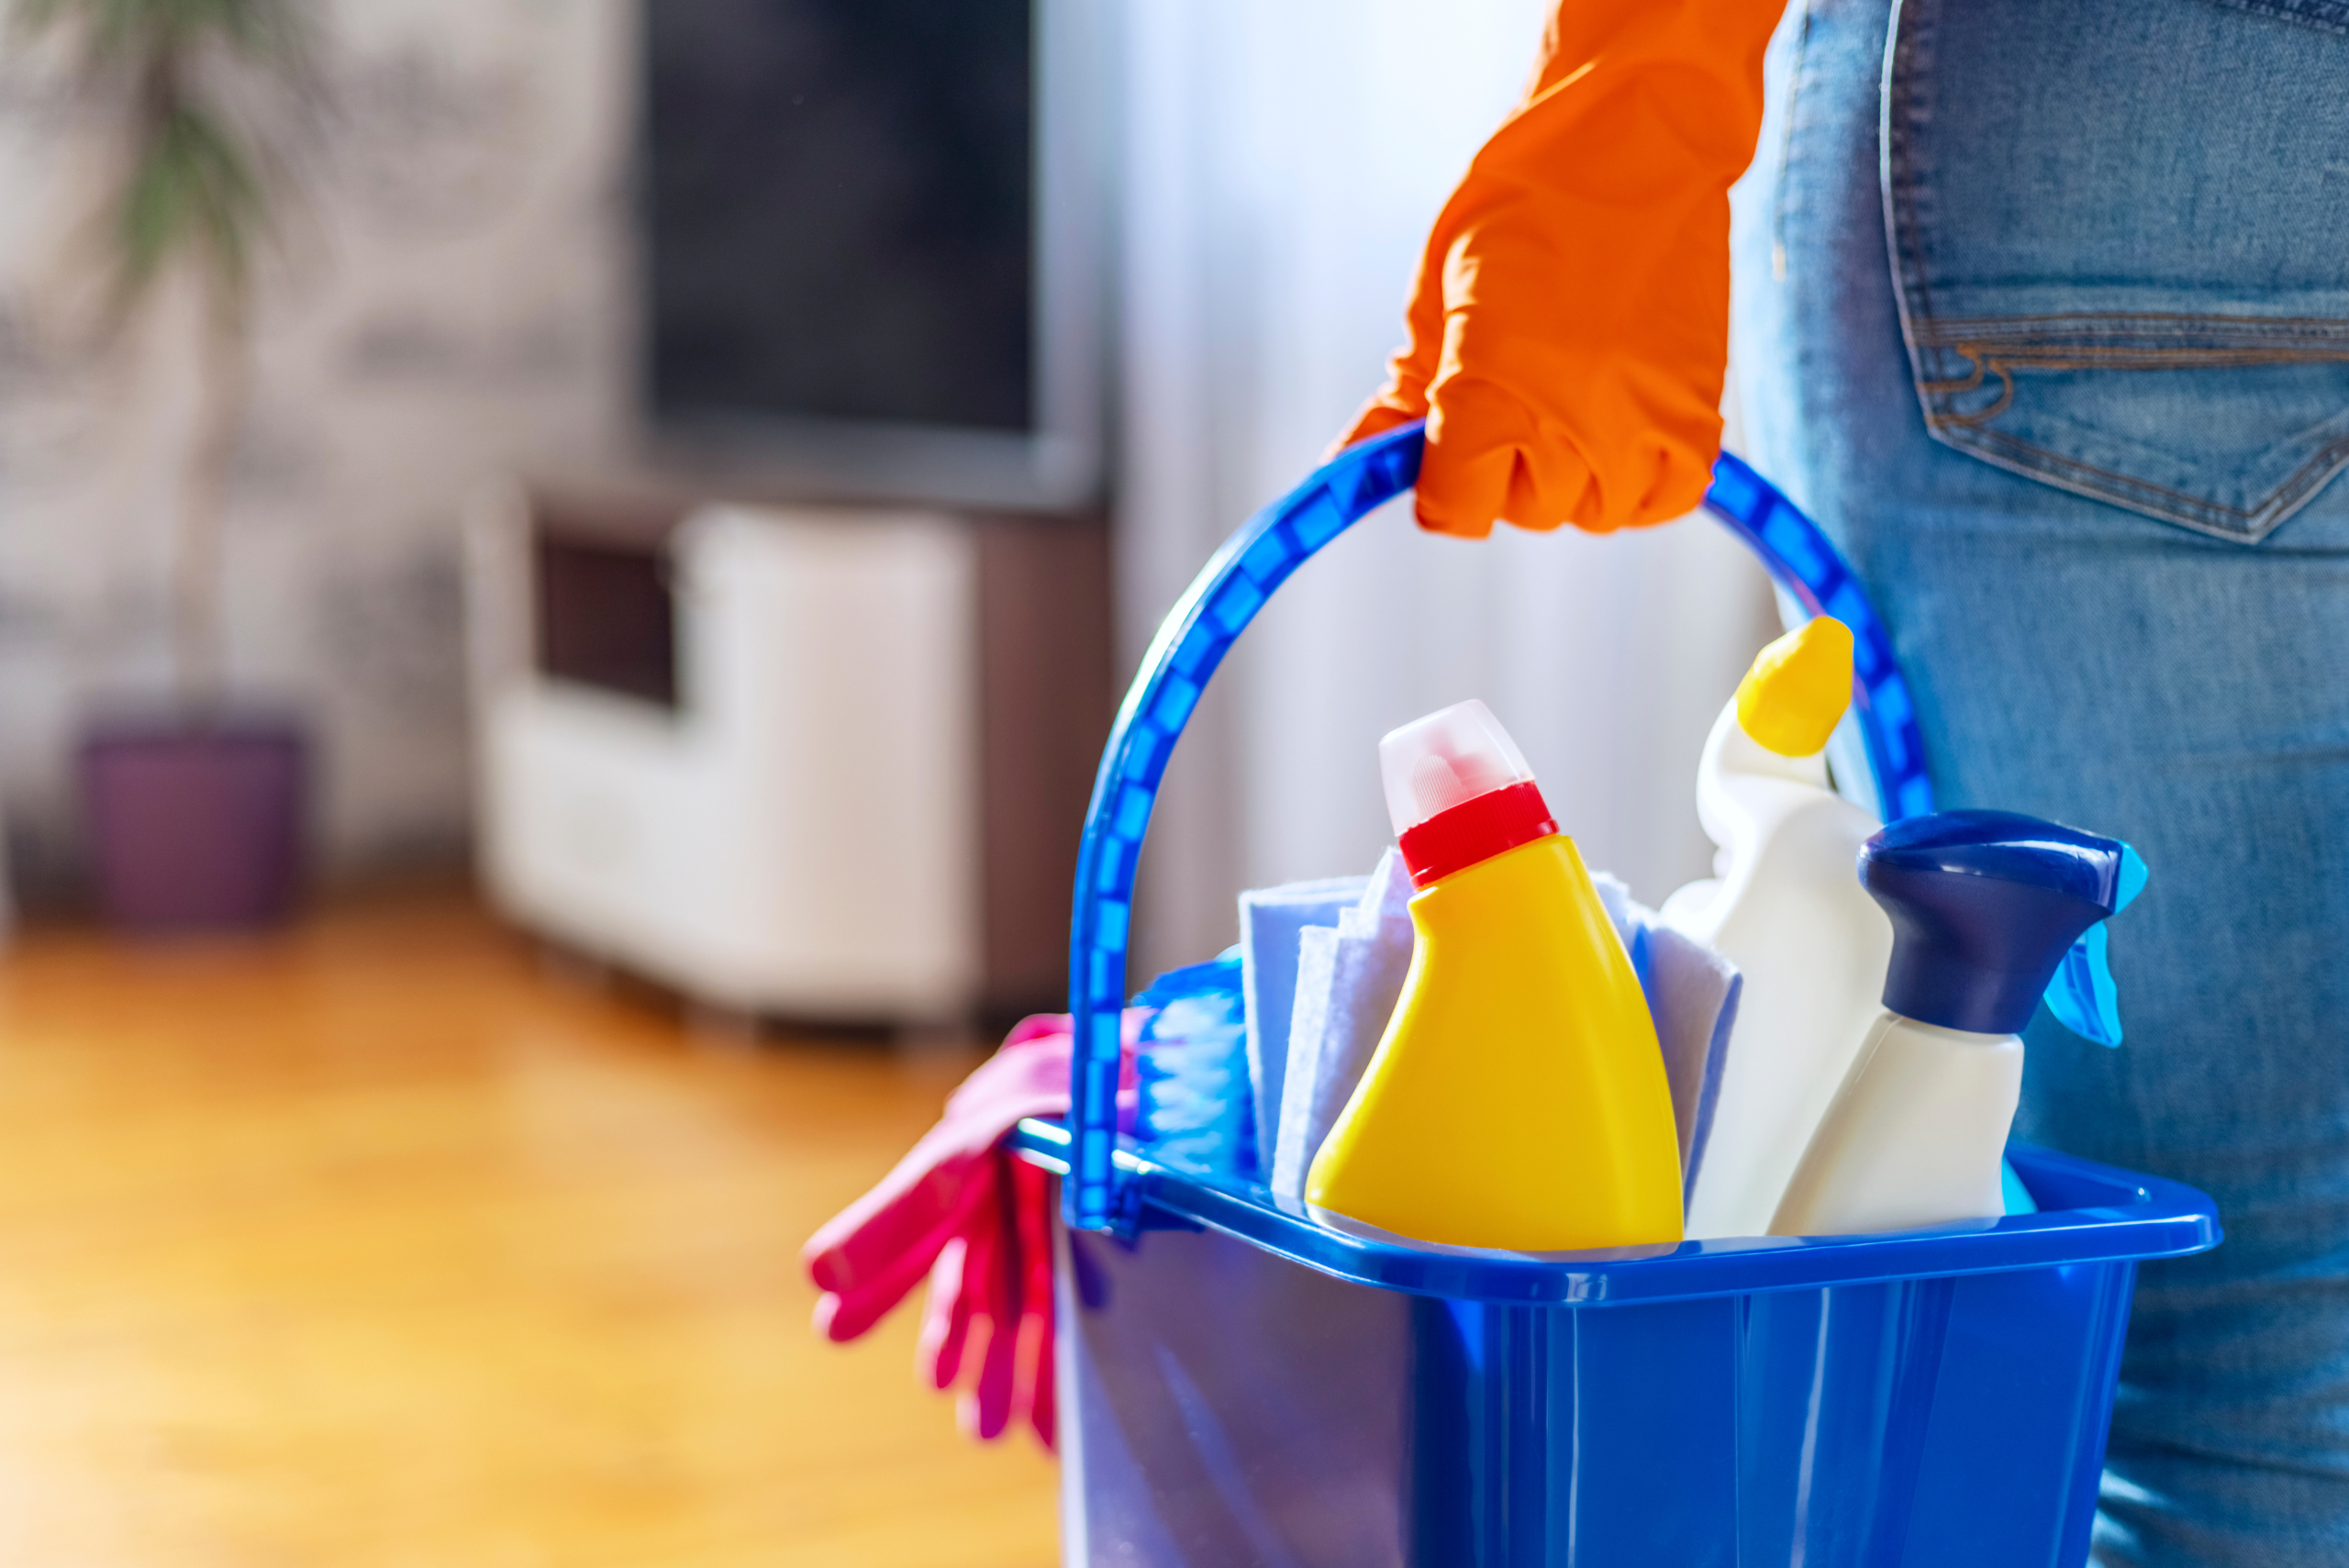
(872,249)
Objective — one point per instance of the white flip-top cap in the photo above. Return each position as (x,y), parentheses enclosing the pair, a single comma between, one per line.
(1432,764)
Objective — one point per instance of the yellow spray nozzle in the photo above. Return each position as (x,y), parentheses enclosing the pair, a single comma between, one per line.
(1797,688)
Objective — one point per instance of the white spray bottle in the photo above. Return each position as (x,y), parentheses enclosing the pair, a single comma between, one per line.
(1787,911)
(1985,906)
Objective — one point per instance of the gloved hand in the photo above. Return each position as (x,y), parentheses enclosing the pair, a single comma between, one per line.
(977,1223)
(1569,324)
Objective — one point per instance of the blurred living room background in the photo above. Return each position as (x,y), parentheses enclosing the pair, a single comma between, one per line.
(539,739)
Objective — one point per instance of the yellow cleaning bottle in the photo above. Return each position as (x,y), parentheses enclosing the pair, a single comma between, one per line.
(1518,1098)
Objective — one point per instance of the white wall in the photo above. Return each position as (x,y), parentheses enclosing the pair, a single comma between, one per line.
(446,300)
(1284,160)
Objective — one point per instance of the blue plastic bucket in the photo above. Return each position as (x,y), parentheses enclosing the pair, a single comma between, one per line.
(1240,1385)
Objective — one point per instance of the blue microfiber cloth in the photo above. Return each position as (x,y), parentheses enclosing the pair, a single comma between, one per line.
(1271,921)
(1692,996)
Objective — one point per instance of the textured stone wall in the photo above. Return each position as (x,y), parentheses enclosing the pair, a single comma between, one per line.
(446,298)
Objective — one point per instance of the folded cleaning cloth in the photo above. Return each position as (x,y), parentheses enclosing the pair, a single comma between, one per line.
(1349,973)
(1692,995)
(1271,921)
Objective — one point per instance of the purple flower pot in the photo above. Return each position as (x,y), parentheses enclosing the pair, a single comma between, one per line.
(196,827)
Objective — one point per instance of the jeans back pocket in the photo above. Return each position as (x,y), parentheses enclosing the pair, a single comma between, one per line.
(2119,232)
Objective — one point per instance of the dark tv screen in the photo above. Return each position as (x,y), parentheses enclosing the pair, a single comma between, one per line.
(839,199)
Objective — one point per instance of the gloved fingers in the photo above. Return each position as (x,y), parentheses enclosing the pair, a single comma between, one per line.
(986,1406)
(1043,1403)
(975,1291)
(1032,1190)
(945,1319)
(845,1314)
(1654,474)
(1034,1398)
(1383,412)
(1489,458)
(1031,1199)
(984,1410)
(1676,482)
(1464,495)
(1675,463)
(1003,1286)
(1031,1193)
(922,1199)
(890,1237)
(1487,461)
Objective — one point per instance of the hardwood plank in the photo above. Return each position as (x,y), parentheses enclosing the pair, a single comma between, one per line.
(371,1244)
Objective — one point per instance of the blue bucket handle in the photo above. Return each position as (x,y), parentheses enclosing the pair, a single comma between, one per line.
(1218,606)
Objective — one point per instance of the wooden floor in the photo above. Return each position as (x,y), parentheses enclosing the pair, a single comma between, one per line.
(377,1244)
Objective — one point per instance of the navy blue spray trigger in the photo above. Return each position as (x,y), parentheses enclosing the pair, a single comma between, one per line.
(1985,906)
(2082,995)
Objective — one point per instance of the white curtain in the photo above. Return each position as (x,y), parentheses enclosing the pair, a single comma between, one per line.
(1282,162)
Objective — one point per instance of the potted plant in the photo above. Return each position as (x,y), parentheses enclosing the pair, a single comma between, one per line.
(196,815)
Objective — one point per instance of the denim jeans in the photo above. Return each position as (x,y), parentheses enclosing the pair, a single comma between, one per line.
(2043,312)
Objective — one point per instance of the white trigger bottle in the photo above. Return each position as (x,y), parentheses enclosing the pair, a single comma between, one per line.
(1786,910)
(1987,904)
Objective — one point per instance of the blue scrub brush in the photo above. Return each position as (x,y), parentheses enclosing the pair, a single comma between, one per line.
(1197,1110)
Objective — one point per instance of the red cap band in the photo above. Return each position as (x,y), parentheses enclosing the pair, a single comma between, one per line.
(1476,829)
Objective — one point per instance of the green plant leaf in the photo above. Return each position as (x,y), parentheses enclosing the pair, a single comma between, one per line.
(192,188)
(192,192)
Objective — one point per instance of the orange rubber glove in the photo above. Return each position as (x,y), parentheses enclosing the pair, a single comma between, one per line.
(1569,324)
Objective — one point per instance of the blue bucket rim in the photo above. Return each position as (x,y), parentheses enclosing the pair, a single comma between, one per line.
(2099,1214)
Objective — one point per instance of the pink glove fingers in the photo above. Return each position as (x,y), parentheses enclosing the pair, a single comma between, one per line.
(991,1406)
(938,1301)
(1032,1198)
(854,1310)
(923,1197)
(946,1318)
(918,1205)
(1043,1405)
(977,1223)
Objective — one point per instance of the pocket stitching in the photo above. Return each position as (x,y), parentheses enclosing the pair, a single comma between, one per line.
(2030,355)
(2321,340)
(2326,460)
(2322,332)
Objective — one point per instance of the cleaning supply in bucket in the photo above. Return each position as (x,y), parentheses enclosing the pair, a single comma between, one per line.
(1349,975)
(1693,995)
(1518,1098)
(1984,905)
(1787,911)
(1271,921)
(1192,1066)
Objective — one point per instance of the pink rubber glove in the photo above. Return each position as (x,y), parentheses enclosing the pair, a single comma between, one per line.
(977,1222)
